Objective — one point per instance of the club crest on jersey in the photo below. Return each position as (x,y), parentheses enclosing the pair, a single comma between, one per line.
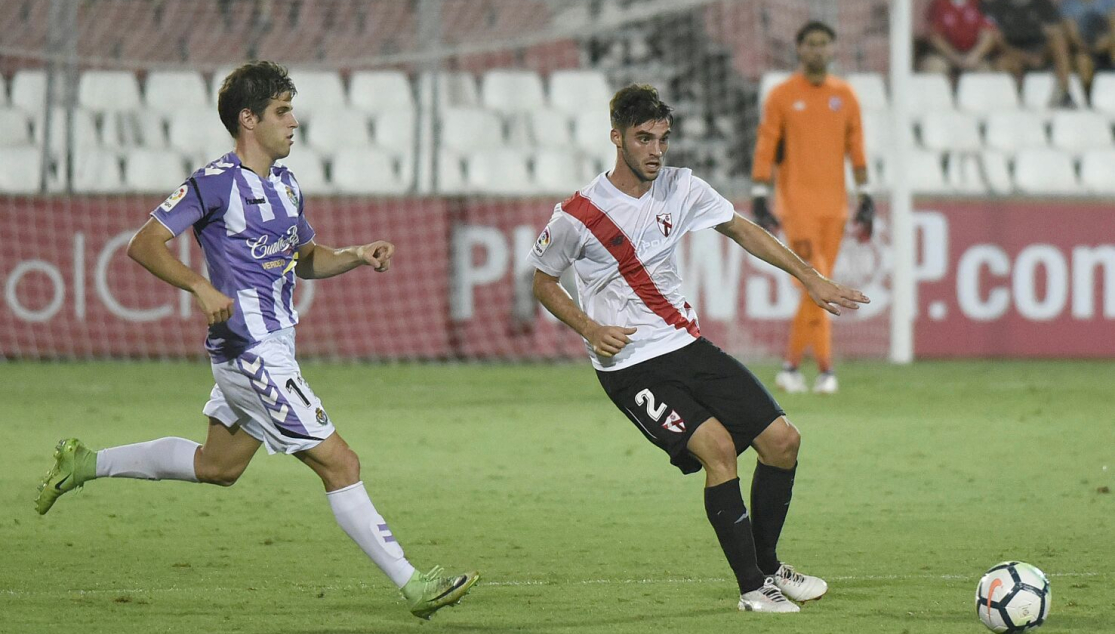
(835,103)
(665,223)
(674,423)
(321,417)
(291,195)
(173,199)
(543,242)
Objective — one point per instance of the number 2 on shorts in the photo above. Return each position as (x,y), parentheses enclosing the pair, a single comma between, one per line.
(655,411)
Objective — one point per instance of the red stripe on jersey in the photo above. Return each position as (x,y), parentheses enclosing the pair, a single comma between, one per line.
(630,267)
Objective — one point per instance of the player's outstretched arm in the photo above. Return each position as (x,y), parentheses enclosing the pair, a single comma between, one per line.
(316,261)
(826,293)
(606,341)
(148,247)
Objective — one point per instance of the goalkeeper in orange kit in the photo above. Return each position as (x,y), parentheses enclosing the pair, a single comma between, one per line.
(812,120)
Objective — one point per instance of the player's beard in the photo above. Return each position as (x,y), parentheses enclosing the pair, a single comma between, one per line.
(636,169)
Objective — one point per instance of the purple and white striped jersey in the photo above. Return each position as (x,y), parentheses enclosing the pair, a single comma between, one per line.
(250,229)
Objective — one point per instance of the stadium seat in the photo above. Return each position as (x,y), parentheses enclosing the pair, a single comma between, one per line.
(930,92)
(15,128)
(169,91)
(592,131)
(767,83)
(1038,88)
(502,171)
(148,128)
(1076,131)
(878,137)
(996,171)
(368,171)
(965,174)
(381,91)
(109,91)
(1103,94)
(216,80)
(97,171)
(870,90)
(551,128)
(926,173)
(309,170)
(1097,171)
(1014,130)
(84,132)
(199,131)
(1045,172)
(154,171)
(338,129)
(470,129)
(981,93)
(574,90)
(511,91)
(951,131)
(20,170)
(29,91)
(454,90)
(395,131)
(450,173)
(318,91)
(556,171)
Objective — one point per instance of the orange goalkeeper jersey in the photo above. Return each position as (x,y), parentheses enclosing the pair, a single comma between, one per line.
(818,125)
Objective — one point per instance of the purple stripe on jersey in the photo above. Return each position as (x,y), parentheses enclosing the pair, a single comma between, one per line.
(278,407)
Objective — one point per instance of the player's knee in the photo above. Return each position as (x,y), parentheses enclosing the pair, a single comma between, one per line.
(220,475)
(784,453)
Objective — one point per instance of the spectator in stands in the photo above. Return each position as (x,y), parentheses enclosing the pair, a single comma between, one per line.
(961,38)
(1090,26)
(1030,36)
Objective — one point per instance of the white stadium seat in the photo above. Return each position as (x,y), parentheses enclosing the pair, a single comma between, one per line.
(1014,130)
(84,131)
(97,171)
(767,83)
(870,90)
(592,132)
(20,170)
(572,91)
(169,91)
(1038,88)
(1103,94)
(1076,131)
(381,91)
(551,128)
(557,171)
(1097,171)
(996,169)
(470,129)
(456,89)
(15,128)
(1045,172)
(318,90)
(29,91)
(154,171)
(930,92)
(338,129)
(216,81)
(199,131)
(510,91)
(109,91)
(501,171)
(878,137)
(308,169)
(368,171)
(395,131)
(450,173)
(965,174)
(926,173)
(951,131)
(986,92)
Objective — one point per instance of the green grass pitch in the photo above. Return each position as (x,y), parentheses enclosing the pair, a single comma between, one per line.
(913,481)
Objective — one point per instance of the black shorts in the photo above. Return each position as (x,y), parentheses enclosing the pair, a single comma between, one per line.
(668,397)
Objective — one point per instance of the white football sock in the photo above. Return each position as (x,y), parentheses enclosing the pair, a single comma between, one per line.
(162,459)
(356,515)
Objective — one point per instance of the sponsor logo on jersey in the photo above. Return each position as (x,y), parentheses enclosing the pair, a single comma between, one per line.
(543,242)
(261,249)
(291,195)
(617,241)
(674,423)
(835,103)
(173,199)
(253,201)
(665,223)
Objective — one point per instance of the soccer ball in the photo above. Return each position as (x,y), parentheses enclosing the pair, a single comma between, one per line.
(1013,597)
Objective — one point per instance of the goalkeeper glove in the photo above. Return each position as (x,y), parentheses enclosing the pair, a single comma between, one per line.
(762,214)
(865,218)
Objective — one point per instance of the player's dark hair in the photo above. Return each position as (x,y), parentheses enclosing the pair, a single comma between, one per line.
(251,86)
(636,104)
(812,27)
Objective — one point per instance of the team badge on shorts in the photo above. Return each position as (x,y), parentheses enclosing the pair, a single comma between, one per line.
(322,418)
(665,223)
(543,242)
(674,423)
(835,103)
(291,195)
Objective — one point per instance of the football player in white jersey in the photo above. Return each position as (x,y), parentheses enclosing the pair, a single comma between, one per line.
(692,400)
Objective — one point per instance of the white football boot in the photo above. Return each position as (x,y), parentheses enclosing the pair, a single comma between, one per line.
(766,599)
(826,384)
(790,381)
(797,586)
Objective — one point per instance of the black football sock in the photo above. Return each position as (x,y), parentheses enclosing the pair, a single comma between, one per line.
(771,490)
(728,516)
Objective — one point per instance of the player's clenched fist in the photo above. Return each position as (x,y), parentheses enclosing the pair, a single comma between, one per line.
(378,254)
(607,341)
(216,305)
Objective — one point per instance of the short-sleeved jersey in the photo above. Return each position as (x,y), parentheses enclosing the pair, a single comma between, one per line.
(249,228)
(624,253)
(818,126)
(1022,25)
(960,24)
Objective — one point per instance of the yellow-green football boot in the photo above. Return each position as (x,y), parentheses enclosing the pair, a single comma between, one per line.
(427,593)
(74,465)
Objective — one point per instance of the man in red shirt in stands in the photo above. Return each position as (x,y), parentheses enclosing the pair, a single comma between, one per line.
(961,38)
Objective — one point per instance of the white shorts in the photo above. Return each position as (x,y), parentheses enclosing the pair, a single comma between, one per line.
(263,391)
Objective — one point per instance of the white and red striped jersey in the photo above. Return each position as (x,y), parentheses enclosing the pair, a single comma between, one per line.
(624,253)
